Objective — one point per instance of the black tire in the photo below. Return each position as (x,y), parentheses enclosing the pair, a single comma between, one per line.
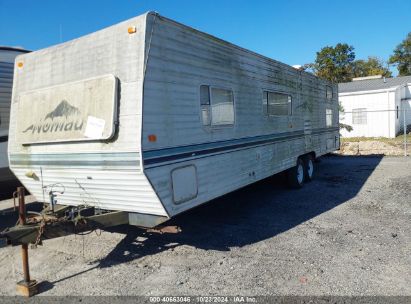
(309,168)
(295,175)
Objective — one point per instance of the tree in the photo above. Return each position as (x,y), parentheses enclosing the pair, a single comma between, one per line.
(370,67)
(402,56)
(338,64)
(334,63)
(342,125)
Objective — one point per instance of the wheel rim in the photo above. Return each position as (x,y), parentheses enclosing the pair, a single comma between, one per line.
(310,168)
(300,174)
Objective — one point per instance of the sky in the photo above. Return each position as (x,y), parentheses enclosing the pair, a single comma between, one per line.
(291,31)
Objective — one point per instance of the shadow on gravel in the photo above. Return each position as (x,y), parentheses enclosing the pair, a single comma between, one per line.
(9,216)
(249,215)
(252,214)
(7,188)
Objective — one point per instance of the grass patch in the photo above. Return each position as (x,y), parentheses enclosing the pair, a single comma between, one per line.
(393,141)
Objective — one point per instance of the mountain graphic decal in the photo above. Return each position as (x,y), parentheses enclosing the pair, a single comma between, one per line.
(63,109)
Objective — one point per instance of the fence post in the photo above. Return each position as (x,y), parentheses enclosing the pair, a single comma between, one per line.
(405,131)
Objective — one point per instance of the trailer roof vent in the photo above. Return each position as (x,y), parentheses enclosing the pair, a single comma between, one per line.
(298,67)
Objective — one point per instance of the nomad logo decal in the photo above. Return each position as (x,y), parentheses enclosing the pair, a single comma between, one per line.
(64,118)
(63,109)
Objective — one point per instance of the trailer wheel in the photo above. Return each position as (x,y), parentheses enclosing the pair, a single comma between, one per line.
(309,168)
(295,175)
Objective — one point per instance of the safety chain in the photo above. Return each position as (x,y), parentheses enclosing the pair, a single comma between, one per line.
(41,231)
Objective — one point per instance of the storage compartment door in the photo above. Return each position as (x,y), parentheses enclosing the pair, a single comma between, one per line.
(184,183)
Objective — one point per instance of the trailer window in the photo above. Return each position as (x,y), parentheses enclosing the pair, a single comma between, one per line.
(277,104)
(205,104)
(359,116)
(217,106)
(329,93)
(328,117)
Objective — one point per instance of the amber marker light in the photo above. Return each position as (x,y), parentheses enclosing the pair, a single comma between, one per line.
(152,138)
(132,30)
(20,64)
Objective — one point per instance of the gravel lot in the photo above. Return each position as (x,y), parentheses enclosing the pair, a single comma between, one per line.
(346,233)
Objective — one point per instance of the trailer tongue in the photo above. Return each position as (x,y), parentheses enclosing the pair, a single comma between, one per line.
(58,220)
(33,228)
(44,226)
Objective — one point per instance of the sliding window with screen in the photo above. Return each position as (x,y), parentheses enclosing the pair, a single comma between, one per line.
(329,93)
(277,104)
(328,118)
(217,106)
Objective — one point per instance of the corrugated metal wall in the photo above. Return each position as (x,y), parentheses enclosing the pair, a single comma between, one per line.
(377,111)
(7,56)
(6,83)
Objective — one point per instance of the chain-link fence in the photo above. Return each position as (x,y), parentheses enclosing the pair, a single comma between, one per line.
(380,131)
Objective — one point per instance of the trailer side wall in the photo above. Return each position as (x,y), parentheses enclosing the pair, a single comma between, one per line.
(189,163)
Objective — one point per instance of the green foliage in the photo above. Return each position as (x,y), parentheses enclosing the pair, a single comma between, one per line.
(338,64)
(370,67)
(334,63)
(307,105)
(399,140)
(402,56)
(340,107)
(341,125)
(345,126)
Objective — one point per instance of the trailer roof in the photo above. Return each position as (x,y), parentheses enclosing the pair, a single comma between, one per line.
(13,48)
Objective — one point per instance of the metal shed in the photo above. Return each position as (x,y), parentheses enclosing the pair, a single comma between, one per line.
(375,106)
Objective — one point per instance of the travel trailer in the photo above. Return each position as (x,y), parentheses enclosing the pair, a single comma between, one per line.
(152,117)
(7,55)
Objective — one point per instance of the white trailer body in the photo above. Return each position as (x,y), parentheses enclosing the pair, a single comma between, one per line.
(7,55)
(152,117)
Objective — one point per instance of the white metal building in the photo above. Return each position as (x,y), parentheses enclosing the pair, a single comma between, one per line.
(375,106)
